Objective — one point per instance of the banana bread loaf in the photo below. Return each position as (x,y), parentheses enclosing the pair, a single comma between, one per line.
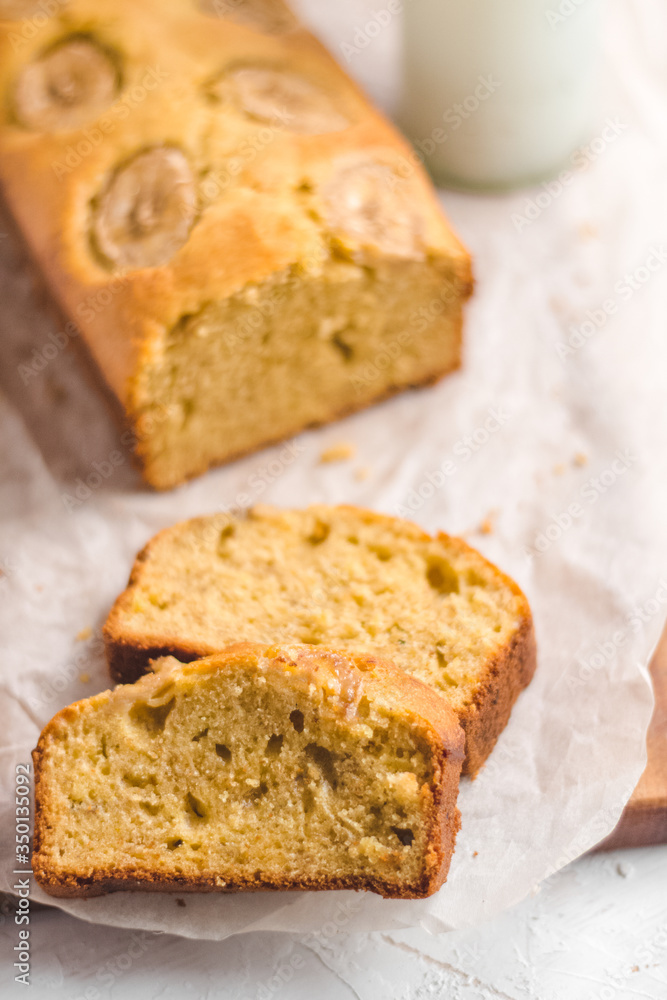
(259,768)
(247,246)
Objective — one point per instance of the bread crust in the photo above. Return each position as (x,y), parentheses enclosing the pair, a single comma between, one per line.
(256,231)
(383,682)
(506,674)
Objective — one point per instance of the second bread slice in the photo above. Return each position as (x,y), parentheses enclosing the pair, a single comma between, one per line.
(335,576)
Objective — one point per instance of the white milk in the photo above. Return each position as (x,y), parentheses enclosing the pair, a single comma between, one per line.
(498,92)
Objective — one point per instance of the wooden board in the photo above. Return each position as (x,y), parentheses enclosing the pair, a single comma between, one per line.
(644,820)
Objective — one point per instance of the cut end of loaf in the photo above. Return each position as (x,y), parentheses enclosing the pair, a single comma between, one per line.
(297,351)
(282,767)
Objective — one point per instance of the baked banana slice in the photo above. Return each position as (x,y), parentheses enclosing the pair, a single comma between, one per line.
(147,210)
(368,204)
(280,97)
(68,86)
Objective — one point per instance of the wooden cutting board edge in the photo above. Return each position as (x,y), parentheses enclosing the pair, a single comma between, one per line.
(644,819)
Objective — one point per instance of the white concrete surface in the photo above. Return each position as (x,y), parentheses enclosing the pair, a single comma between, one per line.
(596,931)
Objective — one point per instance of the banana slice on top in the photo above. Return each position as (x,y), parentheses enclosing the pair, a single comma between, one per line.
(66,87)
(280,97)
(370,204)
(147,210)
(269,16)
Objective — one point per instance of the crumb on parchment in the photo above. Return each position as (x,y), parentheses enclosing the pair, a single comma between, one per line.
(488,524)
(338,452)
(83,634)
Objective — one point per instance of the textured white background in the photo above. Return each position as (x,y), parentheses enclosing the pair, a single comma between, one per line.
(596,931)
(589,924)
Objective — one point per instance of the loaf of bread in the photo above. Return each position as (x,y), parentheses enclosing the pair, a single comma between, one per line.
(337,576)
(280,767)
(246,245)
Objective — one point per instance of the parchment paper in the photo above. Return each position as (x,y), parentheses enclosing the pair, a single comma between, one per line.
(561,453)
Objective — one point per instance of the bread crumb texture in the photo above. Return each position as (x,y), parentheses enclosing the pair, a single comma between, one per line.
(262,767)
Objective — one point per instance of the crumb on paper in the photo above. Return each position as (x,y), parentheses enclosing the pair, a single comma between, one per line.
(635,968)
(180,902)
(581,458)
(84,633)
(475,853)
(559,469)
(362,473)
(338,452)
(488,524)
(587,231)
(84,678)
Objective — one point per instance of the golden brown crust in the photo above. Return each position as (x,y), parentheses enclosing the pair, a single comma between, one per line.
(506,674)
(383,682)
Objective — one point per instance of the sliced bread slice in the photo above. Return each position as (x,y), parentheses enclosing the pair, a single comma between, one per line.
(338,576)
(285,767)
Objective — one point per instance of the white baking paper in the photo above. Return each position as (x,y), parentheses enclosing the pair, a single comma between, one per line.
(559,450)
